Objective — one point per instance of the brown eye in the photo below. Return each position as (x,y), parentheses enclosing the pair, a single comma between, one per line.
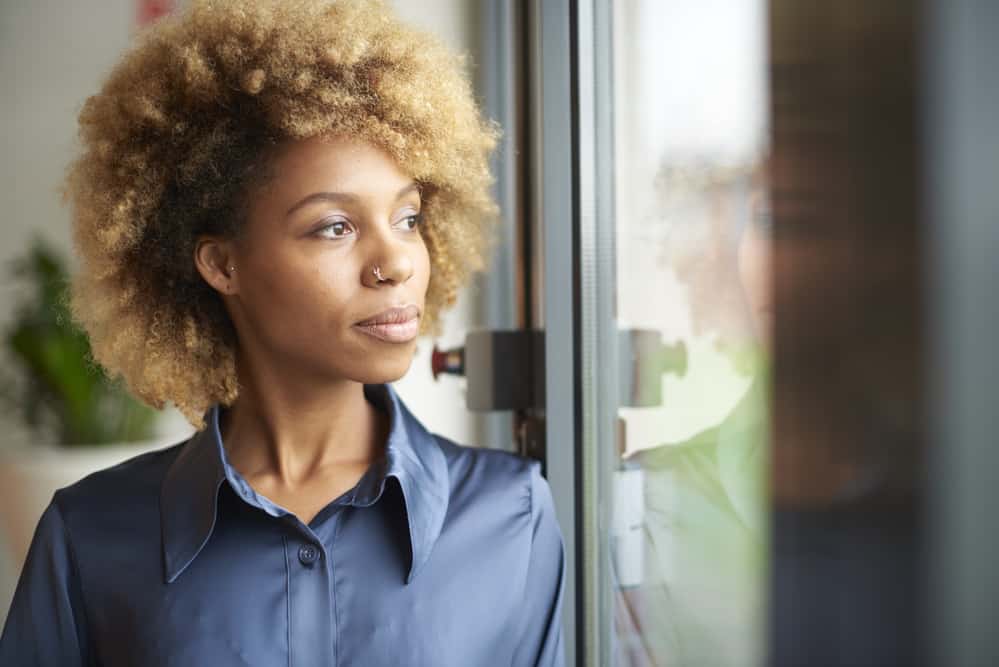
(335,229)
(413,221)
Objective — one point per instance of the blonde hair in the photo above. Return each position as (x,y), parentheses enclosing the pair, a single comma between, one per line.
(182,128)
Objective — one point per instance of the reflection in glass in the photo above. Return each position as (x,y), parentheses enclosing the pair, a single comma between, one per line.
(688,528)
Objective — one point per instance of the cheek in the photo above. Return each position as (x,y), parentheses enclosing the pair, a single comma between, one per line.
(297,295)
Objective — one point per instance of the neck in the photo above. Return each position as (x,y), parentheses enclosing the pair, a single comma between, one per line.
(294,438)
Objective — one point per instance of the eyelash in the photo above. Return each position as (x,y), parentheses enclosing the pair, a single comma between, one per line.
(418,217)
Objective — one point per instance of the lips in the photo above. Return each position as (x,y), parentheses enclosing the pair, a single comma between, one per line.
(395,325)
(396,315)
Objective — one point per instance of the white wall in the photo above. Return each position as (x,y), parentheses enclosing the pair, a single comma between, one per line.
(52,55)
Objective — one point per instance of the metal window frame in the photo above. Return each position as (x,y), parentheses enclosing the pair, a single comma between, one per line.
(567,260)
(503,301)
(571,52)
(555,207)
(597,319)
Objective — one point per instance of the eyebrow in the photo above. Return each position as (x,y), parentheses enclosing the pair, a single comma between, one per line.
(345,197)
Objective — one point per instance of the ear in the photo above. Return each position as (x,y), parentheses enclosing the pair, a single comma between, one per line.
(215,261)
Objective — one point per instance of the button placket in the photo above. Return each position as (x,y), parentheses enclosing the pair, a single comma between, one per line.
(311,616)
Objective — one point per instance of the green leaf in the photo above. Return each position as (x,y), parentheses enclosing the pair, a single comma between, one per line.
(57,383)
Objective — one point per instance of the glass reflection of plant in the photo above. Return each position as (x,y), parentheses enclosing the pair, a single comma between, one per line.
(58,389)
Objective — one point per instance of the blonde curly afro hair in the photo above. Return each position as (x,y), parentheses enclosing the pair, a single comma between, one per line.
(181,130)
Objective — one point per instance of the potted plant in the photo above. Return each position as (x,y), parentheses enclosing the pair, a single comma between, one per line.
(60,392)
(78,420)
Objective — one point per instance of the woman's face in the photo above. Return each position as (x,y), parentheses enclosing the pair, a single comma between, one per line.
(332,211)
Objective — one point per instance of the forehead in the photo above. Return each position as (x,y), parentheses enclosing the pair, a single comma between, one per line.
(336,163)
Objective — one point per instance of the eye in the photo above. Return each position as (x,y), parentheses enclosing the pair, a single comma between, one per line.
(335,229)
(763,219)
(411,222)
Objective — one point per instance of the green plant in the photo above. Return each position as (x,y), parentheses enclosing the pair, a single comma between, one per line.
(58,387)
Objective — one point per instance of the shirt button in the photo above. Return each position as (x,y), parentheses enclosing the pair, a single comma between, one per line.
(308,554)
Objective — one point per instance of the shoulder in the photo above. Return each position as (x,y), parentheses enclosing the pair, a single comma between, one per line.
(130,486)
(497,477)
(107,517)
(487,465)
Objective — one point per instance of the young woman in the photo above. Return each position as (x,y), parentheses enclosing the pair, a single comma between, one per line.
(273,200)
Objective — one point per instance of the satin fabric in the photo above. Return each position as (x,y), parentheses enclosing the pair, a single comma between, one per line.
(440,555)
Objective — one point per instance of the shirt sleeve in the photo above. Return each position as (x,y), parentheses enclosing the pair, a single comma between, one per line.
(45,624)
(541,643)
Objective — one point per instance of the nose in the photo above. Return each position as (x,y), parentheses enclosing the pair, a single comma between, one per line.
(390,259)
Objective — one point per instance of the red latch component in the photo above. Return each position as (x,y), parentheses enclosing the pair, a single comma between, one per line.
(447,361)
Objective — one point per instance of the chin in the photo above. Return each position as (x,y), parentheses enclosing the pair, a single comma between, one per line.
(384,367)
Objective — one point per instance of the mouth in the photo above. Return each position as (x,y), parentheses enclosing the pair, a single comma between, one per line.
(395,325)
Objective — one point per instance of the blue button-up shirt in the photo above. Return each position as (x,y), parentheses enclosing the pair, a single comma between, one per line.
(440,555)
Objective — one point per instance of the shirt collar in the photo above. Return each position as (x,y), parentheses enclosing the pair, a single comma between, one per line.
(189,494)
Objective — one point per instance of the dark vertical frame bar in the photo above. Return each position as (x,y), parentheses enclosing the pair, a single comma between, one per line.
(505,289)
(555,206)
(961,182)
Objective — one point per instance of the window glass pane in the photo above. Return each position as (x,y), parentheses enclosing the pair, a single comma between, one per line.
(688,528)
